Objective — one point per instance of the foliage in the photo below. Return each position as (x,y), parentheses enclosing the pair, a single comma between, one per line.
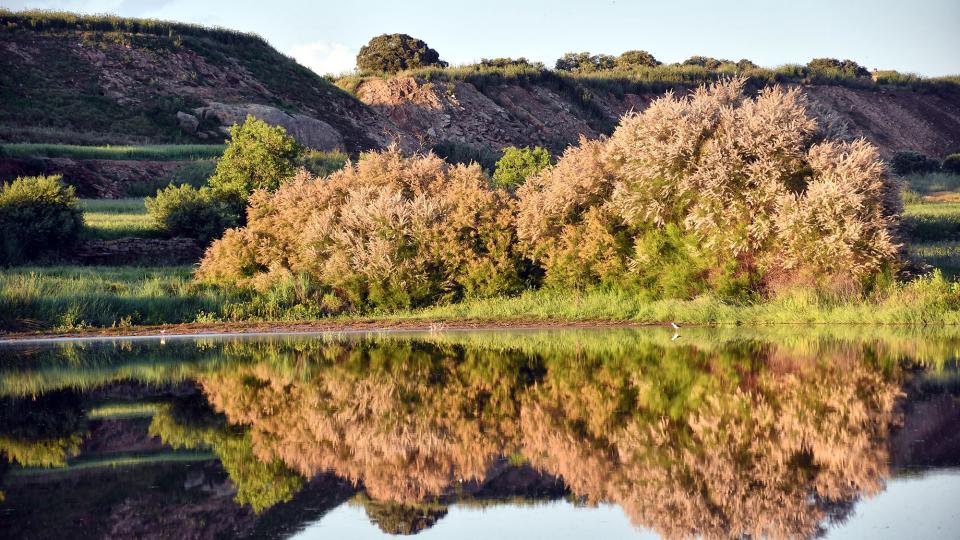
(750,199)
(324,163)
(38,215)
(951,164)
(386,232)
(390,53)
(458,153)
(584,62)
(187,211)
(519,163)
(910,162)
(258,156)
(832,66)
(705,62)
(632,59)
(501,63)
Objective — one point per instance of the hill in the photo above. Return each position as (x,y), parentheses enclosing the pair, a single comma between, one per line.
(107,80)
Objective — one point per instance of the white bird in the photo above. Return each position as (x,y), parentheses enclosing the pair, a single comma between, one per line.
(675,326)
(163,331)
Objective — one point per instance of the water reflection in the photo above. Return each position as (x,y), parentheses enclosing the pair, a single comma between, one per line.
(723,433)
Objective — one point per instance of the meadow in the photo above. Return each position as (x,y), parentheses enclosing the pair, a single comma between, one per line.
(108,219)
(154,152)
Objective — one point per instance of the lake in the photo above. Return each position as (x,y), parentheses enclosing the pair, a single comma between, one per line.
(786,432)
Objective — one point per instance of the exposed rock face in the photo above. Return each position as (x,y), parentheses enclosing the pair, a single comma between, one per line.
(307,130)
(153,251)
(187,122)
(95,178)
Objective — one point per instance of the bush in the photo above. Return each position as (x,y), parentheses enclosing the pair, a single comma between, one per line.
(585,62)
(386,232)
(705,62)
(909,162)
(458,153)
(195,213)
(832,67)
(518,163)
(258,156)
(726,191)
(390,53)
(38,215)
(633,59)
(951,164)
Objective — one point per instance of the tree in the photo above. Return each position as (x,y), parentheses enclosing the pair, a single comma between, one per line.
(521,62)
(847,68)
(390,53)
(519,163)
(634,59)
(705,62)
(258,156)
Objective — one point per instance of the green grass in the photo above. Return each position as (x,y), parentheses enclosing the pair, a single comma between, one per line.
(942,255)
(116,460)
(932,222)
(927,184)
(156,152)
(108,219)
(123,410)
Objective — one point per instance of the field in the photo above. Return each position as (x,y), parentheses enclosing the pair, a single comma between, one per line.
(157,152)
(108,219)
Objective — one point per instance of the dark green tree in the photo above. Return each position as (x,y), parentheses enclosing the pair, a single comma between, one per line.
(634,59)
(390,53)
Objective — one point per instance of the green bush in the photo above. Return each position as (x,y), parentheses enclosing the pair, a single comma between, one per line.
(632,59)
(519,163)
(584,62)
(951,164)
(832,68)
(390,53)
(196,213)
(457,153)
(909,162)
(38,215)
(258,156)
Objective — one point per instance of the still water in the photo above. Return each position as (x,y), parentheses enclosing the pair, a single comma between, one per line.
(607,433)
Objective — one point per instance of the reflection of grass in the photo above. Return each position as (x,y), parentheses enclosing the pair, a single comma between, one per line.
(115,460)
(123,410)
(117,218)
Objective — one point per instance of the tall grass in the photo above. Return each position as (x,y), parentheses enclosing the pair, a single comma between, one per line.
(157,152)
(108,219)
(932,222)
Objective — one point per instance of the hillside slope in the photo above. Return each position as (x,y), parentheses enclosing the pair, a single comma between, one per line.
(87,80)
(104,80)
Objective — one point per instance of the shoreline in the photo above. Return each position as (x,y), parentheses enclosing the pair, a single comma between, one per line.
(311,327)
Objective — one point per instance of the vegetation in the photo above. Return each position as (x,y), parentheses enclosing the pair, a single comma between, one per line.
(38,215)
(831,68)
(196,213)
(258,156)
(908,162)
(684,198)
(109,219)
(157,152)
(951,164)
(390,53)
(517,164)
(387,232)
(457,153)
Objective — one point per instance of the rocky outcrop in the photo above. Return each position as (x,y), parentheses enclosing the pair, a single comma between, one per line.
(308,130)
(143,251)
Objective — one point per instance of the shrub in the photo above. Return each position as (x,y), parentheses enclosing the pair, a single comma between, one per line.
(38,215)
(909,162)
(833,67)
(386,232)
(585,62)
(505,63)
(705,62)
(187,211)
(519,163)
(258,156)
(632,59)
(458,153)
(726,191)
(951,164)
(390,53)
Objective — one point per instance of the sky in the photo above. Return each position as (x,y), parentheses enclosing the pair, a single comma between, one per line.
(913,36)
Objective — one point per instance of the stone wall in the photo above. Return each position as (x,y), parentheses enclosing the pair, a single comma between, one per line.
(139,251)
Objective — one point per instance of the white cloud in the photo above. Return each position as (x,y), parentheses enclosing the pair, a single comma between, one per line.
(324,57)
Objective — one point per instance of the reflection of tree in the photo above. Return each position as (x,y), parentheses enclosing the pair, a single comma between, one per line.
(741,439)
(261,484)
(403,518)
(41,432)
